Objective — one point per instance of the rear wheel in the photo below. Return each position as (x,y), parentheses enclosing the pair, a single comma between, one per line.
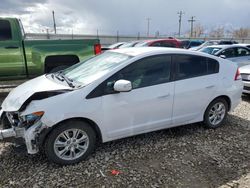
(70,142)
(216,113)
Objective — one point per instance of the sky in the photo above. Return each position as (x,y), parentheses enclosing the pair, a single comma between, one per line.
(128,17)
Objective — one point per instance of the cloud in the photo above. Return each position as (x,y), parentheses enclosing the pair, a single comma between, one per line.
(129,17)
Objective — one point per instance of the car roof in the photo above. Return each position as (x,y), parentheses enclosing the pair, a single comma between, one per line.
(225,46)
(138,51)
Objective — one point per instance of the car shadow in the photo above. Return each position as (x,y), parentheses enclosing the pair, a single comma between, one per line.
(188,154)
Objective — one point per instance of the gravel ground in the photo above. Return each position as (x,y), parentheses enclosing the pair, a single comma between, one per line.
(187,156)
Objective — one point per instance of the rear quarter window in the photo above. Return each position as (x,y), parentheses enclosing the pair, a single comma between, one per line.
(189,66)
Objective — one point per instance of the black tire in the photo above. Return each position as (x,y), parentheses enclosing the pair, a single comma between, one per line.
(56,69)
(68,125)
(207,122)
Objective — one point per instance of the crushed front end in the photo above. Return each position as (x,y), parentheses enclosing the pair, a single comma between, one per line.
(28,127)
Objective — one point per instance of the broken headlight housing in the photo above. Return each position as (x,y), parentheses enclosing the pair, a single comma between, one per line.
(31,119)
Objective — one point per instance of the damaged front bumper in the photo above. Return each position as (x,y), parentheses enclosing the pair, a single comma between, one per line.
(30,135)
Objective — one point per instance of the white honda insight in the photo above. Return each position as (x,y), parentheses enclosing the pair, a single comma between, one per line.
(117,94)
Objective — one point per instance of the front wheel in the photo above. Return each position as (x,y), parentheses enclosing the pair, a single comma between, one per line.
(70,142)
(216,113)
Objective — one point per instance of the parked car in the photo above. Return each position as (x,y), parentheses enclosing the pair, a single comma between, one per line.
(117,94)
(169,42)
(27,58)
(129,44)
(235,53)
(113,46)
(245,74)
(245,45)
(191,43)
(213,42)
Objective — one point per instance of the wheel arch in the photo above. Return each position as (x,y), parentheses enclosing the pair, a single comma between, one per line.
(53,61)
(44,134)
(225,97)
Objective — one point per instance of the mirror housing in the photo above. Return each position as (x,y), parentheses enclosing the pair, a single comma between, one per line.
(123,86)
(223,56)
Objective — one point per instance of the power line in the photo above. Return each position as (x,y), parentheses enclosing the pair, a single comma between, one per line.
(192,20)
(180,19)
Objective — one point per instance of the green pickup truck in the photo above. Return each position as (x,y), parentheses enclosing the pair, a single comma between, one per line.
(26,58)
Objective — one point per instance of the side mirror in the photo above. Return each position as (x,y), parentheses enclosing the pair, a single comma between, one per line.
(123,86)
(223,56)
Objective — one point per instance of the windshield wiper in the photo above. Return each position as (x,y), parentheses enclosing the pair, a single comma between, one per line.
(61,77)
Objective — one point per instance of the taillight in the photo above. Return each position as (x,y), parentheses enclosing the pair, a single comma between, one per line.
(97,49)
(237,75)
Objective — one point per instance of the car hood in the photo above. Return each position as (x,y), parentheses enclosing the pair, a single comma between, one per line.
(40,85)
(195,48)
(245,69)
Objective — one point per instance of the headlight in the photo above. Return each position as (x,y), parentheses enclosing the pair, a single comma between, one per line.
(30,119)
(245,77)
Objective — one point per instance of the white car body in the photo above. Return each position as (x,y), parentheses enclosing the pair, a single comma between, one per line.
(240,60)
(245,73)
(125,114)
(245,45)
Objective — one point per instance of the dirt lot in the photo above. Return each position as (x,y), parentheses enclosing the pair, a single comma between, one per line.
(188,156)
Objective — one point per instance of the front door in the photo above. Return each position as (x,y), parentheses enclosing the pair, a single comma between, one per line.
(148,106)
(11,56)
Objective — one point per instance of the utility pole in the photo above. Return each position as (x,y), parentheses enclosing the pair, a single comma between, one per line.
(148,20)
(117,35)
(180,19)
(97,33)
(138,36)
(192,20)
(54,21)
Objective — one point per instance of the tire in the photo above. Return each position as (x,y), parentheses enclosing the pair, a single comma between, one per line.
(216,113)
(56,69)
(67,149)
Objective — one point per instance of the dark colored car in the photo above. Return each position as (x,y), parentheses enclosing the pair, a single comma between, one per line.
(213,42)
(170,42)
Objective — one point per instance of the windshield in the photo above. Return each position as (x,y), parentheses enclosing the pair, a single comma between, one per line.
(210,50)
(94,68)
(128,44)
(116,45)
(141,44)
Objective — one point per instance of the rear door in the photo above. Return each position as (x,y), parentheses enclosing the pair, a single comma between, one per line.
(148,106)
(11,56)
(196,81)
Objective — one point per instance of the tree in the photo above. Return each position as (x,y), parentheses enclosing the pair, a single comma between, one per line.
(217,33)
(240,33)
(198,30)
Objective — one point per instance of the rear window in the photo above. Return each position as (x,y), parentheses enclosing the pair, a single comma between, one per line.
(189,66)
(5,30)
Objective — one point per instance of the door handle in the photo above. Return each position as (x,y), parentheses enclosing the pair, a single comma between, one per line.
(11,47)
(209,87)
(164,96)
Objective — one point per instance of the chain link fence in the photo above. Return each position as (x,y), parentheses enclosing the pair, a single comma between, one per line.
(110,39)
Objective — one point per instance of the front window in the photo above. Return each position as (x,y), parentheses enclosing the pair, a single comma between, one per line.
(210,50)
(94,68)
